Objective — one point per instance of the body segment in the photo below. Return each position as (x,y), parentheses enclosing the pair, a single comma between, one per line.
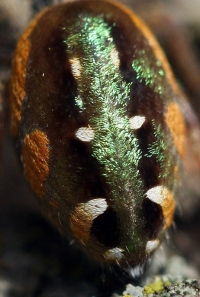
(100,103)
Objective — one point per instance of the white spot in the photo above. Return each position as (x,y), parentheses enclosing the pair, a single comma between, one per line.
(115,57)
(158,194)
(93,208)
(85,134)
(152,245)
(82,217)
(76,67)
(136,122)
(114,254)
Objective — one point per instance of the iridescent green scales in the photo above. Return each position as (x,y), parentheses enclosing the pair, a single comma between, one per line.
(114,146)
(99,113)
(158,148)
(103,95)
(152,76)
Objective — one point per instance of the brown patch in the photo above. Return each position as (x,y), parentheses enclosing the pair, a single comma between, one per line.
(18,77)
(35,153)
(81,223)
(176,124)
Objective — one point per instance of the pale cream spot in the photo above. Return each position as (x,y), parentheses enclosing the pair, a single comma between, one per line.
(83,215)
(85,134)
(157,194)
(152,245)
(136,122)
(114,254)
(76,67)
(165,198)
(115,57)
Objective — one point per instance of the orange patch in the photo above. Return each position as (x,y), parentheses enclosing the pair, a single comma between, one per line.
(80,223)
(18,77)
(35,153)
(165,198)
(176,124)
(168,207)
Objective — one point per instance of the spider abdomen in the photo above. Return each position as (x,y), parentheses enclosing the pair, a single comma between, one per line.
(95,109)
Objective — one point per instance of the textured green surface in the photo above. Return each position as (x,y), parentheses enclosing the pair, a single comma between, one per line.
(151,75)
(115,147)
(158,149)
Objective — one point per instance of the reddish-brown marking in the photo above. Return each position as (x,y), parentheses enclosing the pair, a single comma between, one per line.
(176,124)
(18,77)
(35,153)
(81,223)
